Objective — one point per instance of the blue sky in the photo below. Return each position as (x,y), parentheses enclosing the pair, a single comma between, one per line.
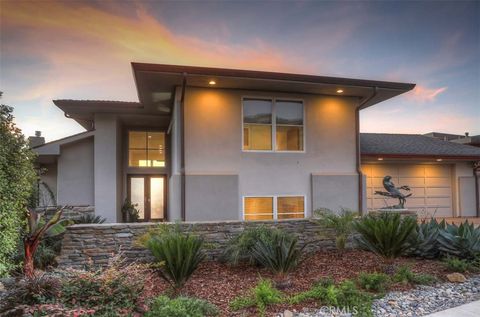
(83,50)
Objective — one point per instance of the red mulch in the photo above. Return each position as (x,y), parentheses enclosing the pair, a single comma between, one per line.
(219,283)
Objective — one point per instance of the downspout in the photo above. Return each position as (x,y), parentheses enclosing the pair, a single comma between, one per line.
(182,146)
(476,173)
(357,148)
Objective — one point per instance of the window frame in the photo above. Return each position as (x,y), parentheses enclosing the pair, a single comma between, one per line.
(274,124)
(143,168)
(275,206)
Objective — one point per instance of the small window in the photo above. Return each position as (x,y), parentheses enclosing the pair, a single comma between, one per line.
(258,208)
(146,149)
(289,125)
(290,207)
(276,207)
(257,124)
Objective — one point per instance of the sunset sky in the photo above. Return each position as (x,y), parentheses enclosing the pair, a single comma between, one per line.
(83,50)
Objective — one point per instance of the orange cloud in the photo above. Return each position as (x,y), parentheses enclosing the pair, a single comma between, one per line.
(423,94)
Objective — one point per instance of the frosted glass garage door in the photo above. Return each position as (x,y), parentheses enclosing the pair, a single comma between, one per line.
(431,186)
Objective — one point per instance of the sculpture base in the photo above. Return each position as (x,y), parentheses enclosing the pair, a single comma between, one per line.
(403,212)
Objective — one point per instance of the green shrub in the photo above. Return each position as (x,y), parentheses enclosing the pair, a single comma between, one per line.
(341,223)
(462,241)
(108,292)
(405,275)
(163,306)
(386,234)
(344,296)
(17,175)
(280,254)
(178,253)
(456,265)
(424,241)
(261,296)
(239,248)
(377,282)
(89,218)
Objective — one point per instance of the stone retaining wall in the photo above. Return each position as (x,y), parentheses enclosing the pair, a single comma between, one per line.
(87,244)
(70,212)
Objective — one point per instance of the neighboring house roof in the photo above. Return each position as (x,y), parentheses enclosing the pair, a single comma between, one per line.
(444,136)
(414,145)
(47,151)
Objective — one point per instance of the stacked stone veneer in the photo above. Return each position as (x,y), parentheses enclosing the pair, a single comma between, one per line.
(86,245)
(69,212)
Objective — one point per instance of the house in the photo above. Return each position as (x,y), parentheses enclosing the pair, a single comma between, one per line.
(216,144)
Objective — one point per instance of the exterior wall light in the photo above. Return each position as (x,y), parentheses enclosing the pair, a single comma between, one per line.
(380,158)
(439,160)
(212,82)
(339,91)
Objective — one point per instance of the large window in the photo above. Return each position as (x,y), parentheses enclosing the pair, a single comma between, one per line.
(146,149)
(273,207)
(268,122)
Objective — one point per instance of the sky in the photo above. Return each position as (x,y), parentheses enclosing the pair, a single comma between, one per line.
(83,49)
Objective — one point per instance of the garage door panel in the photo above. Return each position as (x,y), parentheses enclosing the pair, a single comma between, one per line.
(437,171)
(411,171)
(382,170)
(438,182)
(430,186)
(410,181)
(439,202)
(438,191)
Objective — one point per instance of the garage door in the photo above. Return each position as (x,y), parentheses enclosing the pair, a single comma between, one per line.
(431,186)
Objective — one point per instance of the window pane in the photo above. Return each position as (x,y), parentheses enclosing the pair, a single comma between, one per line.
(137,194)
(257,111)
(257,137)
(137,140)
(289,112)
(258,208)
(156,158)
(156,140)
(289,138)
(137,158)
(156,197)
(290,207)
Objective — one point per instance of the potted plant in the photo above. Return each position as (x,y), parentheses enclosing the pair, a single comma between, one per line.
(130,211)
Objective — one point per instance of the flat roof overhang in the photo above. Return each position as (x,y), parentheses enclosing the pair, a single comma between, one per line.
(157,80)
(370,157)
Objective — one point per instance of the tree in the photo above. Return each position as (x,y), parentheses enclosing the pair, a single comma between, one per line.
(17,175)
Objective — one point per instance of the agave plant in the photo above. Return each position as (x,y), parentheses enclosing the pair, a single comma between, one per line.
(179,255)
(281,254)
(386,234)
(462,241)
(424,242)
(341,223)
(38,228)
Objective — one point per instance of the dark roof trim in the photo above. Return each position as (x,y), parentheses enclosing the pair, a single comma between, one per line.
(114,103)
(421,156)
(226,72)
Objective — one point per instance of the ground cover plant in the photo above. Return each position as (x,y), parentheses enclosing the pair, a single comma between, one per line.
(163,306)
(260,297)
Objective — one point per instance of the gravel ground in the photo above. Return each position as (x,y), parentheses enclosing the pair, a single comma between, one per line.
(420,301)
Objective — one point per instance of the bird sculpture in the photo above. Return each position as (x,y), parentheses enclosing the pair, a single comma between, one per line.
(394,192)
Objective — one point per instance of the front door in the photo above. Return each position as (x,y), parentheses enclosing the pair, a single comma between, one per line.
(148,193)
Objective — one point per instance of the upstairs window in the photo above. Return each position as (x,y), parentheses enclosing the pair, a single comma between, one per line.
(146,149)
(269,122)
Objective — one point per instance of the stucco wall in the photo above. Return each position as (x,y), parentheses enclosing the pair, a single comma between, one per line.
(335,192)
(213,143)
(106,164)
(75,181)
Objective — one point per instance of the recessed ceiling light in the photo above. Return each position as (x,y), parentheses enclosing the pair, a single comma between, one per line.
(339,91)
(439,160)
(212,82)
(380,158)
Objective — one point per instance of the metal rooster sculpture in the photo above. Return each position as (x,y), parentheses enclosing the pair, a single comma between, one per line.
(394,192)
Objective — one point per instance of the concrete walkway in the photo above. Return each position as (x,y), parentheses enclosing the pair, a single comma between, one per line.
(468,310)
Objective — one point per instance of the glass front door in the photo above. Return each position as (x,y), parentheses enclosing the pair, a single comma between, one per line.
(148,193)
